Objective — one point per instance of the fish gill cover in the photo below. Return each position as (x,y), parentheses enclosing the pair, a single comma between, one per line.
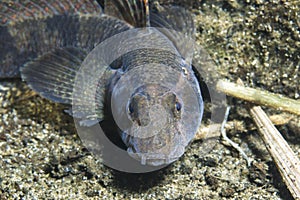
(127,68)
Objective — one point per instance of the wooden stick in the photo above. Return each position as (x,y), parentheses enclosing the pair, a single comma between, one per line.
(287,162)
(259,97)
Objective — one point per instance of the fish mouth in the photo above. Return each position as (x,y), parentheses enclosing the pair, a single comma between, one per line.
(157,159)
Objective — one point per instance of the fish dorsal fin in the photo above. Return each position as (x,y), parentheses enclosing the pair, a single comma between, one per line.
(177,24)
(134,12)
(16,11)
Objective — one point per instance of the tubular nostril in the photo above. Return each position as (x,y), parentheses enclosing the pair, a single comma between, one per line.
(139,122)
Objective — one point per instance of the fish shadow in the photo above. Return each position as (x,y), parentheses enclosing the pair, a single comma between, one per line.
(139,182)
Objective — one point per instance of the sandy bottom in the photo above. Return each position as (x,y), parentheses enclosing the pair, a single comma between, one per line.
(41,156)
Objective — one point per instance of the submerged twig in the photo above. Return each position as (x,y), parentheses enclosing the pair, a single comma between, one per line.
(259,97)
(287,162)
(213,131)
(233,144)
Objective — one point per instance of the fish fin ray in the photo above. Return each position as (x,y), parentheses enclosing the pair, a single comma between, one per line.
(53,76)
(134,12)
(47,74)
(177,24)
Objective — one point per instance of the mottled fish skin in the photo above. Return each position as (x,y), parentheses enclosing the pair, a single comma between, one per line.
(30,29)
(55,38)
(20,10)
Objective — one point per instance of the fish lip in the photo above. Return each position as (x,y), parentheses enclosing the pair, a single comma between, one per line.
(156,159)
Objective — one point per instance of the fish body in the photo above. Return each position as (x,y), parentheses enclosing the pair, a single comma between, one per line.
(151,88)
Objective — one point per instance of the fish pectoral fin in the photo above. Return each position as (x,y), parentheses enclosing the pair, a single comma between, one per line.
(88,122)
(84,118)
(68,75)
(134,12)
(52,75)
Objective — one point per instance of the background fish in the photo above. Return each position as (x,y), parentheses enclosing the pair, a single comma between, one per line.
(49,40)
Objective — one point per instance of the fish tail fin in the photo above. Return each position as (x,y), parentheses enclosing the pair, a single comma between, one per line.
(15,11)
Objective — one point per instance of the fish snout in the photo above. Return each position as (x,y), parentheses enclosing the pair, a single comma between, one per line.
(159,157)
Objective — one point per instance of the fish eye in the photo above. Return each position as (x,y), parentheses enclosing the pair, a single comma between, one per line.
(130,108)
(178,106)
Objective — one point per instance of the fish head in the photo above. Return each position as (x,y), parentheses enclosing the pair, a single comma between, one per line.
(156,136)
(158,110)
